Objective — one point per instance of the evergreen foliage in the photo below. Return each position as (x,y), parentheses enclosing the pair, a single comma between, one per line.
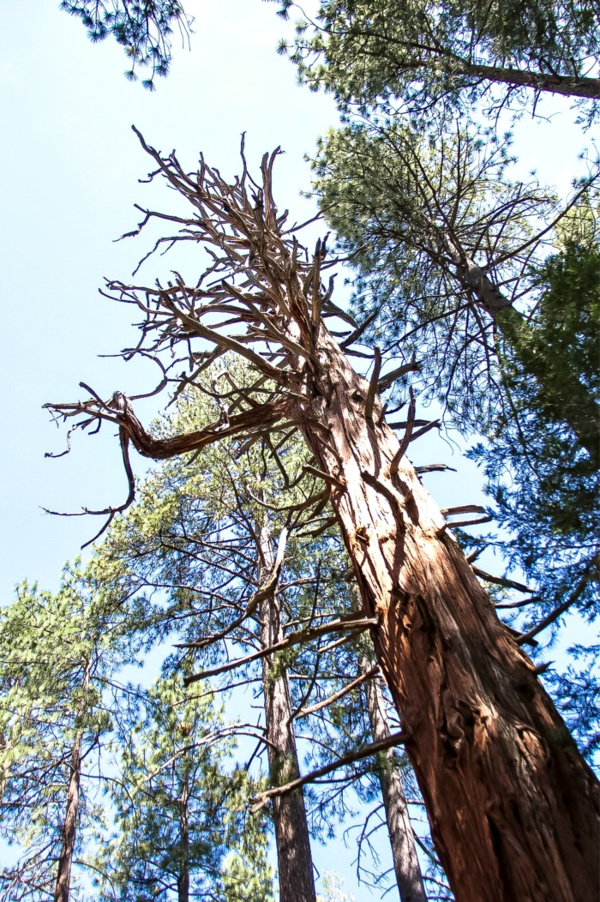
(450,54)
(181,829)
(56,652)
(142,27)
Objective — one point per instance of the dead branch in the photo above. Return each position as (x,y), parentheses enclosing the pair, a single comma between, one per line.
(395,463)
(557,612)
(373,385)
(352,623)
(501,580)
(372,749)
(338,695)
(265,591)
(387,380)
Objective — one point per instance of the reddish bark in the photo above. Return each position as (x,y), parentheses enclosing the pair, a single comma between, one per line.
(512,804)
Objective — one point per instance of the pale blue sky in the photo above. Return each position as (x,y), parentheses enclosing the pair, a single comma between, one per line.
(69,165)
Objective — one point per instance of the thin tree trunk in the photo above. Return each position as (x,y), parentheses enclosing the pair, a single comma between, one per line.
(183,879)
(572,402)
(566,85)
(296,876)
(402,840)
(65,860)
(512,804)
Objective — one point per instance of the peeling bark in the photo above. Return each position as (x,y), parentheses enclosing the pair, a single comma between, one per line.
(296,877)
(513,806)
(402,840)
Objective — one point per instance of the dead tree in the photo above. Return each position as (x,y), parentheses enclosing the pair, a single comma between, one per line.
(512,804)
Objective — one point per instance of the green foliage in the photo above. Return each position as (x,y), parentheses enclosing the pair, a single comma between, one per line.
(551,498)
(56,651)
(179,811)
(417,211)
(447,54)
(142,27)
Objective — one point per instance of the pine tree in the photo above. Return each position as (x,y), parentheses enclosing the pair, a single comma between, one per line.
(55,653)
(181,832)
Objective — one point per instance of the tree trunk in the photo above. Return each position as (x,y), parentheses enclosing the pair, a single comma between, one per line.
(69,832)
(183,878)
(296,878)
(512,804)
(402,840)
(566,85)
(572,403)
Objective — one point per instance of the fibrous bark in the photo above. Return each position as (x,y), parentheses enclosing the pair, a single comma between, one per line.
(513,806)
(491,754)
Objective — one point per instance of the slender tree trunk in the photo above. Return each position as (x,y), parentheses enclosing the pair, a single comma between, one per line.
(183,879)
(69,832)
(512,804)
(572,403)
(566,85)
(402,839)
(296,876)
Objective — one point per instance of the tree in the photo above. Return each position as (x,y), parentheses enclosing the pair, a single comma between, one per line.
(206,535)
(511,802)
(449,261)
(451,270)
(451,54)
(218,526)
(55,653)
(179,813)
(213,544)
(143,29)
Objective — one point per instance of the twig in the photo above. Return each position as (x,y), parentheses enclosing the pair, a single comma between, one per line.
(337,695)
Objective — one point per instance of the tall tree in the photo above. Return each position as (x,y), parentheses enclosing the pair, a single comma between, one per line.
(192,522)
(449,259)
(55,653)
(181,833)
(512,804)
(451,270)
(209,536)
(450,54)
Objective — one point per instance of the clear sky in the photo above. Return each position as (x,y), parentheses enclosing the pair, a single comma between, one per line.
(69,165)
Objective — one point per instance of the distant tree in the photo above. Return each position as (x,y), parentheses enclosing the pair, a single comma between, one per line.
(244,521)
(451,54)
(55,653)
(180,829)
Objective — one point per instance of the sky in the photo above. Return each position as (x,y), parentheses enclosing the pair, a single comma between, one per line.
(69,170)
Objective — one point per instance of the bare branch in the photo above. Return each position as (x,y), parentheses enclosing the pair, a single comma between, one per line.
(375,747)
